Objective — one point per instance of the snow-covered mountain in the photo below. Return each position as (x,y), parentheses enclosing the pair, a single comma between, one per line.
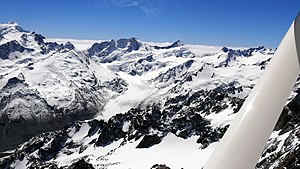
(126,103)
(46,85)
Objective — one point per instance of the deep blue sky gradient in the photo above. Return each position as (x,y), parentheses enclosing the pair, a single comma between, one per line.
(212,22)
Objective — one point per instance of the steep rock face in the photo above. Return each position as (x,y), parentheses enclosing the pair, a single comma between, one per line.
(20,107)
(131,44)
(102,49)
(10,47)
(177,43)
(109,51)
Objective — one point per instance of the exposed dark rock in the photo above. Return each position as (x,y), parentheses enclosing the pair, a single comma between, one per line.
(148,59)
(177,71)
(39,38)
(233,54)
(289,116)
(225,49)
(118,85)
(177,43)
(102,49)
(50,151)
(95,126)
(131,44)
(245,53)
(81,164)
(53,46)
(122,43)
(69,46)
(149,140)
(263,64)
(160,166)
(112,131)
(134,45)
(38,165)
(13,82)
(10,47)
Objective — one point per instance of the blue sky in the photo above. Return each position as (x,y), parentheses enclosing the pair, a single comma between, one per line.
(211,22)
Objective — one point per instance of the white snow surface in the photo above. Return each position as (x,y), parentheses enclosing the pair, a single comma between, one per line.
(20,164)
(138,90)
(173,151)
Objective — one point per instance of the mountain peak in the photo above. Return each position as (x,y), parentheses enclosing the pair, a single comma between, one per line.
(177,43)
(9,24)
(13,22)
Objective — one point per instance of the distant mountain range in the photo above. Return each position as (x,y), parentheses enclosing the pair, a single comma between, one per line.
(125,103)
